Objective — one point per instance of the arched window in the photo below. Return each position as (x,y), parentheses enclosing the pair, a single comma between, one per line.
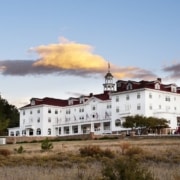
(118,122)
(38,131)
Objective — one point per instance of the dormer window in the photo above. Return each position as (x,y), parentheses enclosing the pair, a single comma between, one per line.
(129,86)
(32,102)
(157,86)
(173,88)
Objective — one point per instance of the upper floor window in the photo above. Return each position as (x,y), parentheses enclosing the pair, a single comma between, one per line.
(49,119)
(68,111)
(117,98)
(150,95)
(138,95)
(138,106)
(24,112)
(31,112)
(38,111)
(81,109)
(56,111)
(159,106)
(38,120)
(117,109)
(109,106)
(127,97)
(167,98)
(49,110)
(93,108)
(150,106)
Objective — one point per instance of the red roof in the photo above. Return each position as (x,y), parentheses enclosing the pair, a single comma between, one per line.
(62,103)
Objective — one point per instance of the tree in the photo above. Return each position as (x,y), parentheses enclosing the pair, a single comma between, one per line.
(46,145)
(145,123)
(9,116)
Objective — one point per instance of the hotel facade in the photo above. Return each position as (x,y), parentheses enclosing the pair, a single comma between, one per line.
(100,113)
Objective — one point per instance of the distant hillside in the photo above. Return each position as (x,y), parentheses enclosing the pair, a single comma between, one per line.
(9,116)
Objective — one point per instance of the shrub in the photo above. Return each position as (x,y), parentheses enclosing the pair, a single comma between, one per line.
(95,151)
(19,150)
(46,145)
(125,169)
(133,151)
(124,146)
(5,152)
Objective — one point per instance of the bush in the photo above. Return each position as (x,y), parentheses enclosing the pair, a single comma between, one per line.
(133,151)
(124,146)
(46,145)
(95,151)
(125,169)
(5,152)
(19,150)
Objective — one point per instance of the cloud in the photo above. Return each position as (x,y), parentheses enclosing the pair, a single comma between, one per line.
(69,58)
(174,70)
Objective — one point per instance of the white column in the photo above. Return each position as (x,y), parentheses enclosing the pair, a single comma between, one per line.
(79,129)
(101,127)
(92,127)
(62,130)
(70,130)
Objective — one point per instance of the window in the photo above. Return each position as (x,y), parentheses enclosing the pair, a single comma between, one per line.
(49,110)
(11,133)
(30,112)
(38,131)
(56,111)
(49,120)
(159,106)
(94,108)
(127,97)
(138,95)
(17,133)
(150,106)
(109,106)
(138,107)
(38,111)
(117,98)
(157,86)
(150,95)
(24,112)
(38,120)
(178,121)
(129,86)
(117,109)
(49,131)
(68,111)
(167,98)
(117,122)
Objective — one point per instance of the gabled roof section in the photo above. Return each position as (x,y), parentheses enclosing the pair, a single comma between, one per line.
(47,101)
(133,85)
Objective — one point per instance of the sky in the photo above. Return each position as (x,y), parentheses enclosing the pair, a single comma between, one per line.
(61,48)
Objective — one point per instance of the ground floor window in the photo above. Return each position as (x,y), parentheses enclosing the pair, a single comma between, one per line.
(49,131)
(38,131)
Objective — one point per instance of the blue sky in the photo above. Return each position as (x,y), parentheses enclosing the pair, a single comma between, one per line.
(61,48)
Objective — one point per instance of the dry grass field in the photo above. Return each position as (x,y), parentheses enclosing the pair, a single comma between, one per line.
(160,156)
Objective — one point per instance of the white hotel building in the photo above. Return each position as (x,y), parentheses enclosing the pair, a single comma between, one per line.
(100,113)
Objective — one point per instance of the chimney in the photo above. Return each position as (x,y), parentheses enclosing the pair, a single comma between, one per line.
(159,79)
